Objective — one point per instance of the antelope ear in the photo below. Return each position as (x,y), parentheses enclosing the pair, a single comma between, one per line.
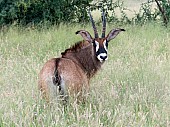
(113,33)
(86,35)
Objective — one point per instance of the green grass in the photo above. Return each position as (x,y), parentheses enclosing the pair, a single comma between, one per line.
(132,88)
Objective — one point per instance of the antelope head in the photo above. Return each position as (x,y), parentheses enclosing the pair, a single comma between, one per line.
(100,44)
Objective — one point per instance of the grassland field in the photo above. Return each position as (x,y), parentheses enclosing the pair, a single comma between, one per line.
(131,90)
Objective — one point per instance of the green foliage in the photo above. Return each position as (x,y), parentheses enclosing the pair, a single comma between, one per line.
(166,6)
(37,11)
(109,7)
(146,14)
(57,11)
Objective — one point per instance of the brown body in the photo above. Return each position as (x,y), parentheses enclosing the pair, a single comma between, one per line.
(70,74)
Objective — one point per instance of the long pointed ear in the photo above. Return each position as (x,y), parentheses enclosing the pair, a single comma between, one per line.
(113,33)
(86,35)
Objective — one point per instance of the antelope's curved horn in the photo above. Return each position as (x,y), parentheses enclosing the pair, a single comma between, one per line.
(93,25)
(104,24)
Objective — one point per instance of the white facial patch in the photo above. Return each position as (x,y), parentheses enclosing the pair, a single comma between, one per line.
(102,56)
(104,44)
(97,45)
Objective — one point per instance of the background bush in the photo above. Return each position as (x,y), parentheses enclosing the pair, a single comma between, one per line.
(37,11)
(71,11)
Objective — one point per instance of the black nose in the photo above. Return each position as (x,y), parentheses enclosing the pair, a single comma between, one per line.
(103,57)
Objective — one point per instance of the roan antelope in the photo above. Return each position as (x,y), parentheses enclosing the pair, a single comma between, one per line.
(70,74)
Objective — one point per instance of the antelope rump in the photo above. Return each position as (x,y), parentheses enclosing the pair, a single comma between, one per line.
(70,74)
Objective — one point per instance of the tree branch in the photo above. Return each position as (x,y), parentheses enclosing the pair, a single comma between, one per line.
(165,19)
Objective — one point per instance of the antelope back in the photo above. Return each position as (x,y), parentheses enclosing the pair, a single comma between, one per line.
(62,78)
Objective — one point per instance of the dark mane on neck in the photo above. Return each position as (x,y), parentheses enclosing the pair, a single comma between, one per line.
(76,47)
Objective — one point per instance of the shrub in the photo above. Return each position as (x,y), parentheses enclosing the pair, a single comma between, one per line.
(37,11)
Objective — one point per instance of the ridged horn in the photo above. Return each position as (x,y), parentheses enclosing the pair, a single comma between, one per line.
(104,24)
(93,25)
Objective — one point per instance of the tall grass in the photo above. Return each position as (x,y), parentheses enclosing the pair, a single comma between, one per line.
(132,88)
